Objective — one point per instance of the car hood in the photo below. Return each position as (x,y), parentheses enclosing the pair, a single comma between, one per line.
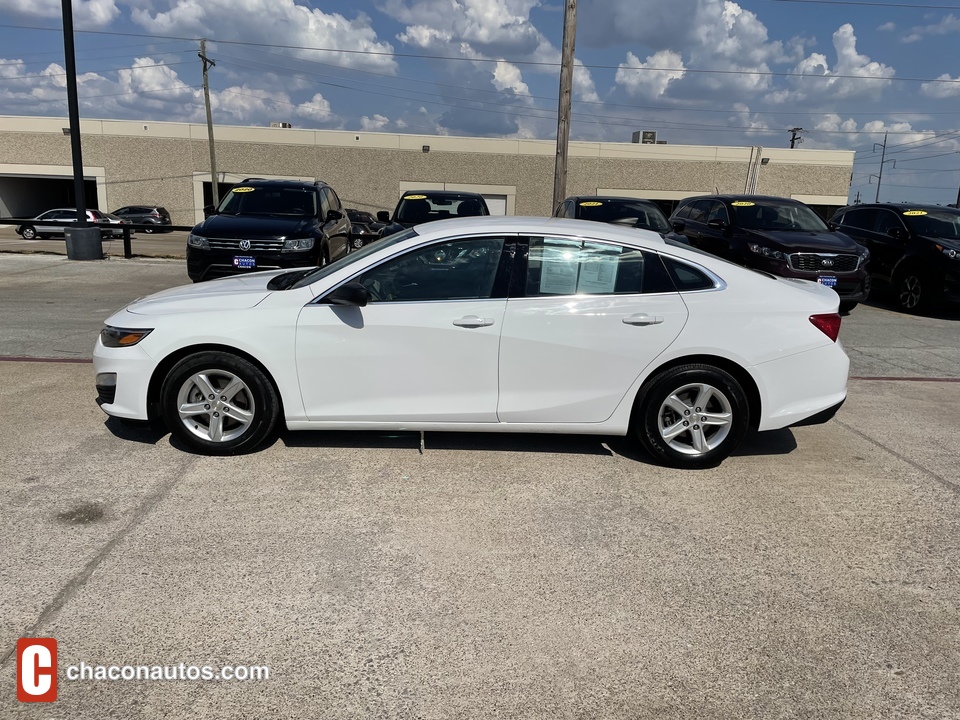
(805,241)
(950,243)
(231,293)
(247,226)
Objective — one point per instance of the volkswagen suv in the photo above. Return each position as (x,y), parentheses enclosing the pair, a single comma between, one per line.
(266,225)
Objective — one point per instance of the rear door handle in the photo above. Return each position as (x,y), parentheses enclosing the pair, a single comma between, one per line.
(643,319)
(472,321)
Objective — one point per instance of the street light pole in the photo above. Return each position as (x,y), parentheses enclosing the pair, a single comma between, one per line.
(73,109)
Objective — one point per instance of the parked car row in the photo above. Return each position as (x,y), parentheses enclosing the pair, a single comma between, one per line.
(913,249)
(62,218)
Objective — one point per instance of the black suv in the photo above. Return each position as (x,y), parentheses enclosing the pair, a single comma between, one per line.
(422,206)
(145,215)
(780,236)
(269,224)
(915,249)
(628,212)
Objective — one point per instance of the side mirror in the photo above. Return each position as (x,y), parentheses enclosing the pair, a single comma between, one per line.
(832,226)
(352,293)
(209,210)
(333,215)
(717,224)
(383,216)
(897,233)
(678,226)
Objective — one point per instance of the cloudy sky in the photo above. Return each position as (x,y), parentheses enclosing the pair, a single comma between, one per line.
(712,72)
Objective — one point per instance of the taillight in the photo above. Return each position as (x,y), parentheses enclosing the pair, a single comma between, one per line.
(155,214)
(828,324)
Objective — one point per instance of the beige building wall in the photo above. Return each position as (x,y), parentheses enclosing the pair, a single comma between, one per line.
(166,164)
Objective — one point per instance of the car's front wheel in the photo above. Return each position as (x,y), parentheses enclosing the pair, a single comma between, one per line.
(218,403)
(28,233)
(691,416)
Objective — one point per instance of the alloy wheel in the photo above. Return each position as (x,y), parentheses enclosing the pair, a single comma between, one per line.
(695,419)
(215,405)
(911,290)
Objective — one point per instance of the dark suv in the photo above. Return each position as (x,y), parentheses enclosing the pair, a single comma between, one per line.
(628,212)
(269,224)
(145,215)
(915,249)
(781,236)
(422,206)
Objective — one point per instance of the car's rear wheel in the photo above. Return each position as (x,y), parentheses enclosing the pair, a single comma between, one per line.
(28,233)
(691,416)
(218,403)
(914,290)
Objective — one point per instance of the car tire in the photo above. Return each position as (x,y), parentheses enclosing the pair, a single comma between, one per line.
(847,305)
(913,290)
(670,399)
(27,232)
(148,230)
(204,423)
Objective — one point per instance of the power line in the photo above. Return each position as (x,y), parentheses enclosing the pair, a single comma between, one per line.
(531,63)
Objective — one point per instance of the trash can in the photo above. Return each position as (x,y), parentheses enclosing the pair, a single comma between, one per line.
(84,243)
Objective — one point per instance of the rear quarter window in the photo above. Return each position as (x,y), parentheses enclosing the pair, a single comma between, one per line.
(687,277)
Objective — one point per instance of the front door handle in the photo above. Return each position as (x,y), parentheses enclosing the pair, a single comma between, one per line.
(472,321)
(643,319)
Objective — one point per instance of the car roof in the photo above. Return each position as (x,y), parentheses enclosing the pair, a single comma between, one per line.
(608,198)
(539,226)
(443,193)
(734,198)
(902,206)
(307,184)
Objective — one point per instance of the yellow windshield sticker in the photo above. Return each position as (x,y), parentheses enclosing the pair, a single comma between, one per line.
(591,203)
(915,212)
(243,189)
(415,197)
(742,203)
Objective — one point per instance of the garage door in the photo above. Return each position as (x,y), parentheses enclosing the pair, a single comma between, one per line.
(497,204)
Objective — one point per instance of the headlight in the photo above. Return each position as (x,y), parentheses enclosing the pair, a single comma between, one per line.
(295,244)
(864,257)
(949,252)
(198,241)
(114,337)
(767,252)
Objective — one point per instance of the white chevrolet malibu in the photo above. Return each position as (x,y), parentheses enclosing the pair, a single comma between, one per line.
(489,325)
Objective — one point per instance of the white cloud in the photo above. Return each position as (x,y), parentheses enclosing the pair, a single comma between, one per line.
(507,76)
(281,22)
(639,80)
(947,87)
(87,14)
(852,76)
(887,27)
(317,109)
(949,24)
(377,122)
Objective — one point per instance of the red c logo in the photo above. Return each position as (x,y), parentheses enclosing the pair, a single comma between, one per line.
(36,669)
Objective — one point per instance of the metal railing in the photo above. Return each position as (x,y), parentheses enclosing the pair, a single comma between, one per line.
(127,228)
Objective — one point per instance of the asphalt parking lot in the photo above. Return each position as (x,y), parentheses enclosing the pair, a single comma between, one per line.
(814,574)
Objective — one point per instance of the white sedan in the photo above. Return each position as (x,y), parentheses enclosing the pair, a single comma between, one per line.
(492,324)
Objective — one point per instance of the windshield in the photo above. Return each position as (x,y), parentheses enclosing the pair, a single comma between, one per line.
(632,213)
(351,258)
(264,200)
(934,223)
(416,209)
(776,215)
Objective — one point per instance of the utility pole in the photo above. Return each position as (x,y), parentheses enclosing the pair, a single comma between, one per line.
(207,64)
(882,156)
(795,138)
(563,110)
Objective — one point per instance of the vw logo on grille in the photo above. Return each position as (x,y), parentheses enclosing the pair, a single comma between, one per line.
(826,262)
(245,245)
